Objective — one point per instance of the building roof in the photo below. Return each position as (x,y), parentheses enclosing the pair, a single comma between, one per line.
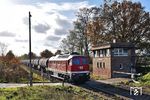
(113,45)
(63,57)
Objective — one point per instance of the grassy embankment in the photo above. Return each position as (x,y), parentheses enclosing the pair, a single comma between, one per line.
(47,93)
(144,82)
(16,73)
(36,77)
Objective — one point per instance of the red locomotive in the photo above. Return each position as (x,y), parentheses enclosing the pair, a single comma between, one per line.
(73,68)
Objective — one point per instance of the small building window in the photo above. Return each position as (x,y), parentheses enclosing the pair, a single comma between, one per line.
(94,54)
(100,64)
(108,52)
(97,53)
(121,66)
(104,52)
(101,53)
(103,64)
(97,64)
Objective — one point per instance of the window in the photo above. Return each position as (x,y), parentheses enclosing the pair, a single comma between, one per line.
(108,52)
(94,53)
(120,52)
(76,61)
(104,52)
(121,66)
(84,61)
(97,53)
(100,64)
(97,64)
(103,64)
(101,53)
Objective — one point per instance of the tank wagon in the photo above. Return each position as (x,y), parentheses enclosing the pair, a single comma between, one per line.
(72,68)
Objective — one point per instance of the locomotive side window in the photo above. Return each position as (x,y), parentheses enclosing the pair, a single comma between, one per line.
(84,61)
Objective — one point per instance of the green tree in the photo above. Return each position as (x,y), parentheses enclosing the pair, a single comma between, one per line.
(24,56)
(58,52)
(124,21)
(33,55)
(80,27)
(10,55)
(70,43)
(46,53)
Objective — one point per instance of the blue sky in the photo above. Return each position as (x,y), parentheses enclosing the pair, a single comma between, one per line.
(51,21)
(146,4)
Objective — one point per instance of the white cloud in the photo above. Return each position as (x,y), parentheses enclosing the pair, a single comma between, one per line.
(14,22)
(6,34)
(47,7)
(53,38)
(41,28)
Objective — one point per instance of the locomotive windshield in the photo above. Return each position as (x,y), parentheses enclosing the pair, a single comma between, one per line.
(76,61)
(84,61)
(79,60)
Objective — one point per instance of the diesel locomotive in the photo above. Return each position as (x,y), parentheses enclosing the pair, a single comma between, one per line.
(72,68)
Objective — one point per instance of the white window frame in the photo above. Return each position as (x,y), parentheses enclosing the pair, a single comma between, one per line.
(120,52)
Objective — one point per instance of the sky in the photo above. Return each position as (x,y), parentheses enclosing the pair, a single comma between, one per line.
(51,20)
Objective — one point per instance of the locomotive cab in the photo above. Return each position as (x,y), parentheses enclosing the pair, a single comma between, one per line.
(79,68)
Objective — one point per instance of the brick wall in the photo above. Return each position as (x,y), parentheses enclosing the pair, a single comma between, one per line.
(122,64)
(103,71)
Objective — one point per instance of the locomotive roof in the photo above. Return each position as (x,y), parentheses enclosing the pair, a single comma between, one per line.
(62,57)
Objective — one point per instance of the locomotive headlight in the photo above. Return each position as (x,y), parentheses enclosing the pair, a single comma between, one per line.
(73,74)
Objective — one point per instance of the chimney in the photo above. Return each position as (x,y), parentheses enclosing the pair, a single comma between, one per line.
(114,40)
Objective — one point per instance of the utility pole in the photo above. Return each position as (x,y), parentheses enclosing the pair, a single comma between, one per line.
(30,48)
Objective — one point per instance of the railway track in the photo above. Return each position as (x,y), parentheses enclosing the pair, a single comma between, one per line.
(113,92)
(96,92)
(106,94)
(106,91)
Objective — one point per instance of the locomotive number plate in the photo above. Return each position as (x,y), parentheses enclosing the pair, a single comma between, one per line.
(81,67)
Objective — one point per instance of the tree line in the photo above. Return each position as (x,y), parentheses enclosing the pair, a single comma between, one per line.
(124,21)
(11,56)
(44,54)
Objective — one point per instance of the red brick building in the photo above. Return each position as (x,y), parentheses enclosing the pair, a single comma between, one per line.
(113,59)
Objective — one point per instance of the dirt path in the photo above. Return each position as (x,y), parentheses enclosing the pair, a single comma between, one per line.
(12,85)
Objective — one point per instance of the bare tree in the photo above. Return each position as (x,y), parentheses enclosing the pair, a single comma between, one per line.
(3,49)
(70,43)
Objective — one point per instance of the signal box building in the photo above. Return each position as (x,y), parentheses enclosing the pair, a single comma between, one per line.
(113,60)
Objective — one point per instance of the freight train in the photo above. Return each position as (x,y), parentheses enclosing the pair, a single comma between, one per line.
(72,68)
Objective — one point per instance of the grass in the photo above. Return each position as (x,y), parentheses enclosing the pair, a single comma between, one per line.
(144,82)
(47,93)
(18,74)
(36,77)
(145,79)
(96,77)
